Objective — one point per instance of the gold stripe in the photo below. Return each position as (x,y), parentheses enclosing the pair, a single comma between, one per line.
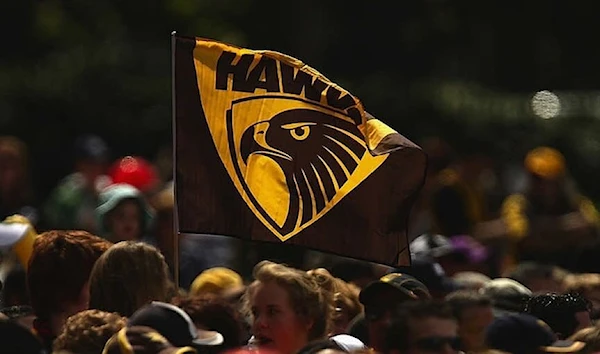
(300,205)
(339,162)
(330,171)
(312,195)
(354,137)
(321,186)
(350,152)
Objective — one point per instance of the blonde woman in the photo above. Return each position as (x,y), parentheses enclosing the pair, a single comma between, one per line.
(128,276)
(288,308)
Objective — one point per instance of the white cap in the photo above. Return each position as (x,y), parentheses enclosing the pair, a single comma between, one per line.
(12,233)
(348,343)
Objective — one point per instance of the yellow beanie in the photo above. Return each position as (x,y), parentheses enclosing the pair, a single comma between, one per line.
(215,280)
(545,162)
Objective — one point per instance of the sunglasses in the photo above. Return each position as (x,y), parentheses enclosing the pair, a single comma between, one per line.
(436,344)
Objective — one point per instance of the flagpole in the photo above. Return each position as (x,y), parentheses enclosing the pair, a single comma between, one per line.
(174,127)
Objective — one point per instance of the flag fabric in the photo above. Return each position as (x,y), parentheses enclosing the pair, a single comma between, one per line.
(268,149)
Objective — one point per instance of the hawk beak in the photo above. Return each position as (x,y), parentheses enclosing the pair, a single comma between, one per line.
(254,141)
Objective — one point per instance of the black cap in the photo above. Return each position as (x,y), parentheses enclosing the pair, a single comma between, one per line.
(174,324)
(407,285)
(525,334)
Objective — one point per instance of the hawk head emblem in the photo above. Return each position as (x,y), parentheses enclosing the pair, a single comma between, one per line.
(294,164)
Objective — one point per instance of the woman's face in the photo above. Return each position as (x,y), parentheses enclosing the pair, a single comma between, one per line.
(276,325)
(125,221)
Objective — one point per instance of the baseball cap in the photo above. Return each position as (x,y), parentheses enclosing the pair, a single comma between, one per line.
(408,286)
(507,295)
(135,171)
(525,334)
(175,325)
(142,340)
(348,343)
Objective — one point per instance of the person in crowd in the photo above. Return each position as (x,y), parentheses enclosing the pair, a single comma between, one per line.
(73,202)
(380,299)
(470,280)
(177,327)
(590,336)
(123,214)
(216,281)
(507,295)
(539,278)
(58,278)
(142,340)
(18,339)
(287,308)
(564,313)
(212,313)
(422,327)
(474,314)
(14,288)
(345,297)
(432,274)
(16,191)
(128,276)
(15,297)
(588,285)
(549,222)
(88,331)
(526,334)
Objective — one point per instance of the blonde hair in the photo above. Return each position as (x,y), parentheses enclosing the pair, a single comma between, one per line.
(344,295)
(88,331)
(309,300)
(590,336)
(128,276)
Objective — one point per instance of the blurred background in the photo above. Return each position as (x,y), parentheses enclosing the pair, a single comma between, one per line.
(466,71)
(477,84)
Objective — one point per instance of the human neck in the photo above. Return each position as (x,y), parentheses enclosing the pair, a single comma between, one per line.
(57,323)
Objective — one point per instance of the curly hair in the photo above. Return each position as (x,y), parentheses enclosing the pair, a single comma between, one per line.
(87,332)
(344,296)
(308,299)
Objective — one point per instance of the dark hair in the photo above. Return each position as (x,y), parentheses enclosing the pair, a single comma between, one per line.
(463,299)
(14,291)
(398,332)
(214,314)
(59,267)
(318,345)
(527,271)
(558,311)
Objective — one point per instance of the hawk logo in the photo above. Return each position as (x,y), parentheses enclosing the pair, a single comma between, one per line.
(296,163)
(293,143)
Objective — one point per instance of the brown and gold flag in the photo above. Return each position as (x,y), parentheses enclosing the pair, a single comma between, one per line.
(268,149)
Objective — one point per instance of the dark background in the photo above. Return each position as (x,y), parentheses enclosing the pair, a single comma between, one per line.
(462,69)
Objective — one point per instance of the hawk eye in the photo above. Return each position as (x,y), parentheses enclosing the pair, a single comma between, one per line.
(298,131)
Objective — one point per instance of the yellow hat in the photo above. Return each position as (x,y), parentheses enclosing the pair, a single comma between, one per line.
(545,162)
(215,280)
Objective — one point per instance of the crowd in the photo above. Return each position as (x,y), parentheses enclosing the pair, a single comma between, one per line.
(91,270)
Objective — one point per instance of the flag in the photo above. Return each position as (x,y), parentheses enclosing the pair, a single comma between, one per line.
(268,149)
